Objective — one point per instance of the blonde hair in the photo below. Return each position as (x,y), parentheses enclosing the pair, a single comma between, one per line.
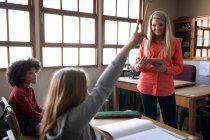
(68,88)
(168,35)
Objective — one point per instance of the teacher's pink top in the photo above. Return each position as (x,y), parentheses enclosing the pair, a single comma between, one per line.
(159,83)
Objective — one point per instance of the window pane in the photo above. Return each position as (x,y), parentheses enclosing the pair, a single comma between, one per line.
(122,8)
(2,0)
(204,52)
(71,29)
(133,9)
(53,32)
(55,4)
(110,7)
(108,55)
(3,60)
(17,53)
(198,52)
(206,38)
(110,32)
(87,56)
(199,38)
(70,5)
(118,51)
(25,2)
(70,56)
(51,56)
(123,32)
(3,25)
(87,30)
(19,29)
(133,28)
(133,55)
(86,6)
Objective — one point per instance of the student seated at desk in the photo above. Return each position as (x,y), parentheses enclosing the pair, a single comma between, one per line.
(20,75)
(69,108)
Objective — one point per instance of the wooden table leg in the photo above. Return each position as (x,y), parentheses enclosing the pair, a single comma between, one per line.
(192,116)
(116,98)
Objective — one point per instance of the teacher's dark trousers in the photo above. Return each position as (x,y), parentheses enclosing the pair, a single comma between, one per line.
(167,106)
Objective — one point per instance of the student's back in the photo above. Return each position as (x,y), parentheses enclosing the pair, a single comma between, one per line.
(69,108)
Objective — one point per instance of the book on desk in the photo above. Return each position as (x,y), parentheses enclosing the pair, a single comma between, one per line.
(137,129)
(117,114)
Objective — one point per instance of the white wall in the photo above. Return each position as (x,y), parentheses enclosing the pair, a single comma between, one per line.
(193,8)
(200,79)
(169,6)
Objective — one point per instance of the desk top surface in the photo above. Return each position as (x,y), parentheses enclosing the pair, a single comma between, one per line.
(177,83)
(194,91)
(183,88)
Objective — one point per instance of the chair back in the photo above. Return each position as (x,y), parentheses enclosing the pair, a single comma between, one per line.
(10,118)
(188,73)
(12,122)
(3,106)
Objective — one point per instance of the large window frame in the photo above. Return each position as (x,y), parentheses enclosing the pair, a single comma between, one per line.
(118,20)
(30,7)
(81,47)
(12,46)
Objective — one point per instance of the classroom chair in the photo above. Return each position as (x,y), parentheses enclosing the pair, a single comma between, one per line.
(11,120)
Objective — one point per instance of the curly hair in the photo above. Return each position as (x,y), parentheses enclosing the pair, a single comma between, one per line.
(18,69)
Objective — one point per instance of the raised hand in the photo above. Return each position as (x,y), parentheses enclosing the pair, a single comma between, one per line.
(137,37)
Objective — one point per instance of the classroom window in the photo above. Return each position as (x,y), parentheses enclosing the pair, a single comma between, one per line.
(51,56)
(119,18)
(71,39)
(23,2)
(16,52)
(15,31)
(70,56)
(19,28)
(4,56)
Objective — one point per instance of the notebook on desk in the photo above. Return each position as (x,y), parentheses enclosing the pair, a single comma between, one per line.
(117,114)
(137,129)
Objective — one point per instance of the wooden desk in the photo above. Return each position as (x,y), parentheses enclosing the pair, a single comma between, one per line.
(98,122)
(131,84)
(189,97)
(185,97)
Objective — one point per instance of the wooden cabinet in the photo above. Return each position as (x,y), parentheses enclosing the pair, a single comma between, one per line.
(194,34)
(184,30)
(202,37)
